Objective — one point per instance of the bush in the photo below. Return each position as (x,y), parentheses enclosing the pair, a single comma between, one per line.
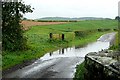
(115,29)
(102,30)
(107,29)
(81,33)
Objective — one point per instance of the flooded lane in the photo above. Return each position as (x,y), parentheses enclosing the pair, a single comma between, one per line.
(102,43)
(77,51)
(61,63)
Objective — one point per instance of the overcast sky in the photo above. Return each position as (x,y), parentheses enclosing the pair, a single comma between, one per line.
(73,8)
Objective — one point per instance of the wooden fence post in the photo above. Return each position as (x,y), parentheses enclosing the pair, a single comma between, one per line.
(63,36)
(50,35)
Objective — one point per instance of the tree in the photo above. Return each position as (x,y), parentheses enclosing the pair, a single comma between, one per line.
(117,18)
(24,18)
(12,33)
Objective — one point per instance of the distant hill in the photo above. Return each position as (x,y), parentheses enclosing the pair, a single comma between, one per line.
(66,18)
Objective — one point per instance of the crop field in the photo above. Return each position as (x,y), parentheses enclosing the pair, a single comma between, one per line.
(39,43)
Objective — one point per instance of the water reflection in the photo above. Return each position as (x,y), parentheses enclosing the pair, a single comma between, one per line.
(79,46)
(51,53)
(77,51)
(59,51)
(62,50)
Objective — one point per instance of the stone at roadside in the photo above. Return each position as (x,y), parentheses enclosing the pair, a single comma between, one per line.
(104,65)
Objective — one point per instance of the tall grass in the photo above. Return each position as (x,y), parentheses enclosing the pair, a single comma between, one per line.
(115,45)
(80,72)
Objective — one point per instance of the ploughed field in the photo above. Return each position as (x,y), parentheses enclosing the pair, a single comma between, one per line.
(27,24)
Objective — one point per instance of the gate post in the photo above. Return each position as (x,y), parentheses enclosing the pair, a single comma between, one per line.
(63,36)
(50,35)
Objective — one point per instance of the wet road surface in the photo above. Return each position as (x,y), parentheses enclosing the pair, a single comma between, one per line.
(61,63)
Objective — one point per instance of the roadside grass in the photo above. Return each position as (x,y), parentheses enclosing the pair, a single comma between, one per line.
(39,42)
(115,46)
(80,72)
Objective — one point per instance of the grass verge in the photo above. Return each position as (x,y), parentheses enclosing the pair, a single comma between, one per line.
(80,72)
(115,45)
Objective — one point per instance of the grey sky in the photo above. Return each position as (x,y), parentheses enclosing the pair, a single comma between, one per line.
(73,8)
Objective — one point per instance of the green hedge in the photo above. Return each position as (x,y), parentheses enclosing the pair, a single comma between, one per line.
(83,33)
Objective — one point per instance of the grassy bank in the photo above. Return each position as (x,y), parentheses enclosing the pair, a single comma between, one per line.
(39,43)
(115,45)
(80,72)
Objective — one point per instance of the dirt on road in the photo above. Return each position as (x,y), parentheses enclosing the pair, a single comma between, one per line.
(27,24)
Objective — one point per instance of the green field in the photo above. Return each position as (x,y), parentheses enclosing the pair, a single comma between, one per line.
(39,42)
(83,25)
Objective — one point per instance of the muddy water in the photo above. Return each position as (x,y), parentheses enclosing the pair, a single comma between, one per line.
(61,63)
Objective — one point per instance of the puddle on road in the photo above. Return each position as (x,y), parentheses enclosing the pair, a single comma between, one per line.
(77,51)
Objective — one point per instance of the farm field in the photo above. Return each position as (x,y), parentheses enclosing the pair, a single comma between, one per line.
(27,24)
(39,43)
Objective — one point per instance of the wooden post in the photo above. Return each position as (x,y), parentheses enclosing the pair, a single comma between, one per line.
(50,35)
(63,37)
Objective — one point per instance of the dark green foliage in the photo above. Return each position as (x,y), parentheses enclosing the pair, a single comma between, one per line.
(107,29)
(115,29)
(84,33)
(117,18)
(25,18)
(102,30)
(12,36)
(80,33)
(114,47)
(57,20)
(79,74)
